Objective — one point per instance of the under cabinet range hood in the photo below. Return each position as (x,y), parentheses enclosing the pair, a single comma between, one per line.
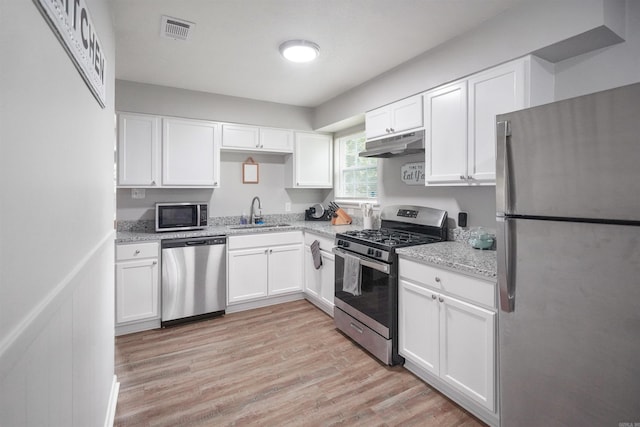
(395,146)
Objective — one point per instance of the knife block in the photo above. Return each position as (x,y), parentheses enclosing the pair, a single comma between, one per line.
(341,218)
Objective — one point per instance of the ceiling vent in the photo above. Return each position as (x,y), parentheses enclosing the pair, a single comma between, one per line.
(177,29)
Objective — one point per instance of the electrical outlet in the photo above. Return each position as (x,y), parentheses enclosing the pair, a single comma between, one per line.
(287,206)
(137,193)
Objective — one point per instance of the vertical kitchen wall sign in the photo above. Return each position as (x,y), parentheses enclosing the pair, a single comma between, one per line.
(71,23)
(412,173)
(250,172)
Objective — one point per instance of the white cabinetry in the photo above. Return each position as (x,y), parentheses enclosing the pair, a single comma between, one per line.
(137,287)
(254,138)
(260,266)
(394,118)
(447,334)
(190,153)
(138,150)
(311,165)
(460,119)
(167,152)
(319,284)
(445,111)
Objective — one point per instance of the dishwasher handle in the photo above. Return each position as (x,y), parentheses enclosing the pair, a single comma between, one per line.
(194,241)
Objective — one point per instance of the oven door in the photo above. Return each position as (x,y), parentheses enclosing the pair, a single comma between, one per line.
(374,306)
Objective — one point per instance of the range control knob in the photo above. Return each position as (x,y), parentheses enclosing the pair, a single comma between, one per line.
(378,254)
(370,251)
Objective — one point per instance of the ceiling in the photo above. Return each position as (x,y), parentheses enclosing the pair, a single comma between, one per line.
(234,46)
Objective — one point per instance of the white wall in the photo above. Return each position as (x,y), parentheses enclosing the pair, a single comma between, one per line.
(605,68)
(233,197)
(56,226)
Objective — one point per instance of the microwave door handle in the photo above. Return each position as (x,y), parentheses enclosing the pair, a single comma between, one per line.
(383,268)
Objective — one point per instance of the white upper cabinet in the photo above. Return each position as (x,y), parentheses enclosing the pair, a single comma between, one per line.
(446,133)
(190,153)
(240,136)
(460,119)
(254,138)
(138,150)
(394,118)
(496,91)
(311,165)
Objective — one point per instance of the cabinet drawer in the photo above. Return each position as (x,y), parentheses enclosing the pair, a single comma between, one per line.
(472,289)
(263,239)
(136,251)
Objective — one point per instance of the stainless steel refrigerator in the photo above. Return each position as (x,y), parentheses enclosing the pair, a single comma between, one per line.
(568,247)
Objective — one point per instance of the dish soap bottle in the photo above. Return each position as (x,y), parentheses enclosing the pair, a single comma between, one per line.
(243,218)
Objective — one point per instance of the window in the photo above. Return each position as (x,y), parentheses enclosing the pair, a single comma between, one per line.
(356,177)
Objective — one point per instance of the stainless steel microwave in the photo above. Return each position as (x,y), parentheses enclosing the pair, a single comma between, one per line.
(181,216)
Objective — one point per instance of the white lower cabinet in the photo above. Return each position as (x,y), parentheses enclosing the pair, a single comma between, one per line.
(447,334)
(261,266)
(137,287)
(319,284)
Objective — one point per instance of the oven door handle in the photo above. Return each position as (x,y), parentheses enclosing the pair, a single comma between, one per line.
(379,266)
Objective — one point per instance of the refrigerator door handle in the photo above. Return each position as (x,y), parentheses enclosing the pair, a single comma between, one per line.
(506,251)
(503,187)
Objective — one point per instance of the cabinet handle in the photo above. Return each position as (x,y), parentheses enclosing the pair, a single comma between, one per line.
(433,296)
(469,177)
(270,251)
(137,252)
(441,299)
(437,279)
(462,177)
(153,183)
(215,183)
(266,251)
(154,262)
(392,130)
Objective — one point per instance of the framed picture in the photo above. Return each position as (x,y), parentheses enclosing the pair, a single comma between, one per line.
(250,172)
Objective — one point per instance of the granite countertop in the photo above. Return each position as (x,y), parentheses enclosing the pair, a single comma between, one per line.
(321,227)
(457,256)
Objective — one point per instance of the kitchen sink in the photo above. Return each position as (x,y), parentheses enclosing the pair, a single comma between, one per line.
(250,226)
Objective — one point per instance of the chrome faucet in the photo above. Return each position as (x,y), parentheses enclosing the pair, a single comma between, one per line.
(252,217)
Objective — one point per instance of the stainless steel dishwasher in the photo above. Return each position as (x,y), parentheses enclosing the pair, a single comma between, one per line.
(193,279)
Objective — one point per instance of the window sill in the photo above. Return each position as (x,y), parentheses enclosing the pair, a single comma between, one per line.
(356,203)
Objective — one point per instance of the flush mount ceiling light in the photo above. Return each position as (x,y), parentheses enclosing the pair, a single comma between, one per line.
(299,50)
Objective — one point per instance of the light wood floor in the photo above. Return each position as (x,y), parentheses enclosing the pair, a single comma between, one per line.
(283,365)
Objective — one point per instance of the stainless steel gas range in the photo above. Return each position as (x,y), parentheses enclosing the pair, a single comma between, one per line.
(366,275)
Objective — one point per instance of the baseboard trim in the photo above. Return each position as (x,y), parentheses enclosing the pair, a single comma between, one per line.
(113,401)
(264,302)
(16,343)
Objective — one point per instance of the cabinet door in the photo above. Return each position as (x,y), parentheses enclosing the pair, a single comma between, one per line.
(246,274)
(407,114)
(313,164)
(496,91)
(279,140)
(327,278)
(138,150)
(190,153)
(418,320)
(312,277)
(285,269)
(238,136)
(137,288)
(467,350)
(378,122)
(446,134)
